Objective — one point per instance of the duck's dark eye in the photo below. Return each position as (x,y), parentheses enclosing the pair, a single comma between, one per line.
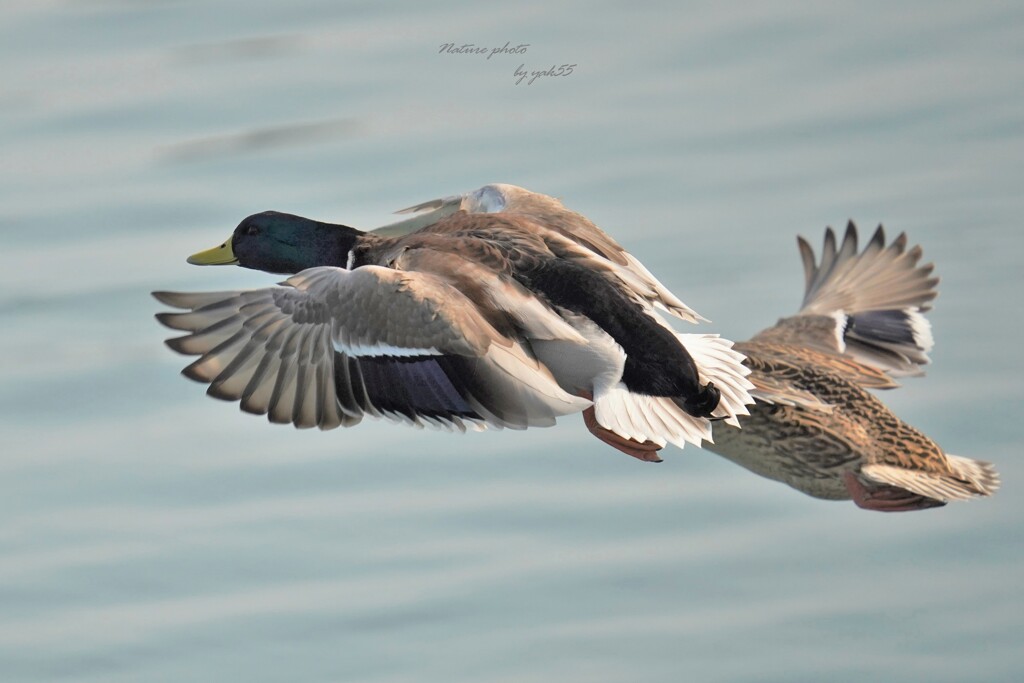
(252,230)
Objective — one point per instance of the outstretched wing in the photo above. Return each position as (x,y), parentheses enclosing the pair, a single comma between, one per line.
(332,345)
(867,305)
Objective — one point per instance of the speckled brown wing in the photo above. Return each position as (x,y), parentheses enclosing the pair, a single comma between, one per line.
(775,367)
(332,345)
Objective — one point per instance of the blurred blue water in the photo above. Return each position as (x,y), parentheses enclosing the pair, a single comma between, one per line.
(151,534)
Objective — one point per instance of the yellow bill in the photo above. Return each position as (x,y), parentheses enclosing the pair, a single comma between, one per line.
(222,255)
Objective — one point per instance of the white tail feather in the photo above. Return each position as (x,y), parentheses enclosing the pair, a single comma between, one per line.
(717,361)
(648,418)
(660,419)
(969,479)
(979,472)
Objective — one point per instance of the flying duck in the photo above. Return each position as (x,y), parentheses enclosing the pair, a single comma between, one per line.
(499,308)
(815,426)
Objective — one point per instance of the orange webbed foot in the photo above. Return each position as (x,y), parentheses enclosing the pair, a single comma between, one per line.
(646,450)
(886,498)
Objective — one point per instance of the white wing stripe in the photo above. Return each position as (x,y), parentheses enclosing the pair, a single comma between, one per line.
(377,350)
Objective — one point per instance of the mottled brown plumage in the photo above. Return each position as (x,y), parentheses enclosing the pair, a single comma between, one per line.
(815,426)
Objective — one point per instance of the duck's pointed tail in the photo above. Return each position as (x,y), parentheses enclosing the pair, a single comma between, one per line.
(965,479)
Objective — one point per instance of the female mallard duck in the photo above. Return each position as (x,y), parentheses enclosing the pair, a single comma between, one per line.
(814,425)
(499,307)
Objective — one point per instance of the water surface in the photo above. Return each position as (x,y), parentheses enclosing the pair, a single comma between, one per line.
(152,534)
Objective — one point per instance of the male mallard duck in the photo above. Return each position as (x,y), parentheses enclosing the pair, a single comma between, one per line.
(499,307)
(814,426)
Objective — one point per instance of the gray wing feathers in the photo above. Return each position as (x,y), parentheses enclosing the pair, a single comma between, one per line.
(868,304)
(877,278)
(333,345)
(376,306)
(251,350)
